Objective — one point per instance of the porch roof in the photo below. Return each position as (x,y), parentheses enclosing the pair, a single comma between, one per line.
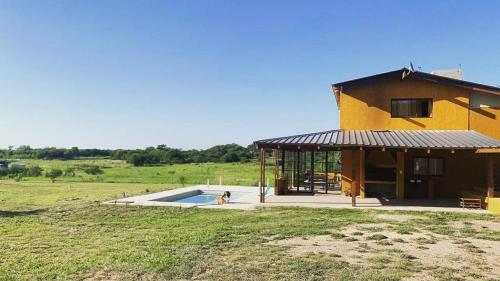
(421,139)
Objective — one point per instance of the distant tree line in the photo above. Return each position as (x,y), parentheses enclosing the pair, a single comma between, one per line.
(19,171)
(161,154)
(165,155)
(52,153)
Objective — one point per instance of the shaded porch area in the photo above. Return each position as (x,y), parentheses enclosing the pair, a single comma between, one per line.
(382,168)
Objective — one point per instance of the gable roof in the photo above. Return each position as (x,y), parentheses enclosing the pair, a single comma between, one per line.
(421,139)
(405,73)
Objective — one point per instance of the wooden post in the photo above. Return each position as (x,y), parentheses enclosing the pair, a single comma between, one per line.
(276,168)
(262,157)
(294,168)
(311,177)
(362,173)
(355,171)
(326,171)
(353,193)
(490,180)
(400,175)
(298,171)
(283,163)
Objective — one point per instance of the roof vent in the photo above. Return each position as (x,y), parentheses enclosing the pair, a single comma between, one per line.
(450,73)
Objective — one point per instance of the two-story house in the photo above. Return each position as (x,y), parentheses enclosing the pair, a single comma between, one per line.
(403,134)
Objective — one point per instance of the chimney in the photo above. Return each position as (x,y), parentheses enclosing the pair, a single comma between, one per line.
(450,73)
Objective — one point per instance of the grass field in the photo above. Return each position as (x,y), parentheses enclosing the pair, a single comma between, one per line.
(117,171)
(58,231)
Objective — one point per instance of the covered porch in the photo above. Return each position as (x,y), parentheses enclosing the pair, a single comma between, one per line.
(386,165)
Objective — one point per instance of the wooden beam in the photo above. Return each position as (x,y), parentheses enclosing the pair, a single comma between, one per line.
(490,177)
(362,193)
(400,175)
(488,150)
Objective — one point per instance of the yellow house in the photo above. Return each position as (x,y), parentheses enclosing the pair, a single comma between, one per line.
(403,134)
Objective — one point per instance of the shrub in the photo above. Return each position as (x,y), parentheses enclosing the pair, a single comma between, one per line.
(15,170)
(182,179)
(69,172)
(34,171)
(92,170)
(4,172)
(53,174)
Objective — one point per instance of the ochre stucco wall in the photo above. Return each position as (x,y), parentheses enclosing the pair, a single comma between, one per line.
(494,205)
(368,107)
(486,121)
(347,175)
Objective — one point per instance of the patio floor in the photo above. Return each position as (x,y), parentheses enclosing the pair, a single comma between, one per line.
(336,200)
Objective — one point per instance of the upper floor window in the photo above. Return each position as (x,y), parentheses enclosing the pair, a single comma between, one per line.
(411,108)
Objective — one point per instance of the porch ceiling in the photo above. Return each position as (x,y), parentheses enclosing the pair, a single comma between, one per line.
(420,139)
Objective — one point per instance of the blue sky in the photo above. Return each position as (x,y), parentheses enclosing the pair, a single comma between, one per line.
(192,74)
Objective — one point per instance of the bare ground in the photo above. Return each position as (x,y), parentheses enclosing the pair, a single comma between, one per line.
(427,250)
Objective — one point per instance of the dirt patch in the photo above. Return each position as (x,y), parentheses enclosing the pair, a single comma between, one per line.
(399,218)
(356,246)
(348,251)
(478,225)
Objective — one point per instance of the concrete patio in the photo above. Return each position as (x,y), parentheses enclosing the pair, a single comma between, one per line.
(334,199)
(337,200)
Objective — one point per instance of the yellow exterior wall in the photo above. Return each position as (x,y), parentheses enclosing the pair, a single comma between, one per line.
(494,205)
(368,107)
(486,121)
(346,171)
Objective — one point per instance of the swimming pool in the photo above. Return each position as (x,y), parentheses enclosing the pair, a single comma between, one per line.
(202,196)
(199,197)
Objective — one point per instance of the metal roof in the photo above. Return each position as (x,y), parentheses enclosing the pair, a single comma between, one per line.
(405,73)
(424,139)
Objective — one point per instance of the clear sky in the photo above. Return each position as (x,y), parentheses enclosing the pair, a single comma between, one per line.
(192,74)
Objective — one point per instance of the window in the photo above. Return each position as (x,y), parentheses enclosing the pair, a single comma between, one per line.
(428,166)
(411,108)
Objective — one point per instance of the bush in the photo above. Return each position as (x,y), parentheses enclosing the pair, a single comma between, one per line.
(92,170)
(182,179)
(53,174)
(4,172)
(69,172)
(16,170)
(34,171)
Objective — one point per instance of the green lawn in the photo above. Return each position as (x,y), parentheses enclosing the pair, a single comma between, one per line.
(58,231)
(117,171)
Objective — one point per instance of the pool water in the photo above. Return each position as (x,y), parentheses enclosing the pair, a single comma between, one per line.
(199,199)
